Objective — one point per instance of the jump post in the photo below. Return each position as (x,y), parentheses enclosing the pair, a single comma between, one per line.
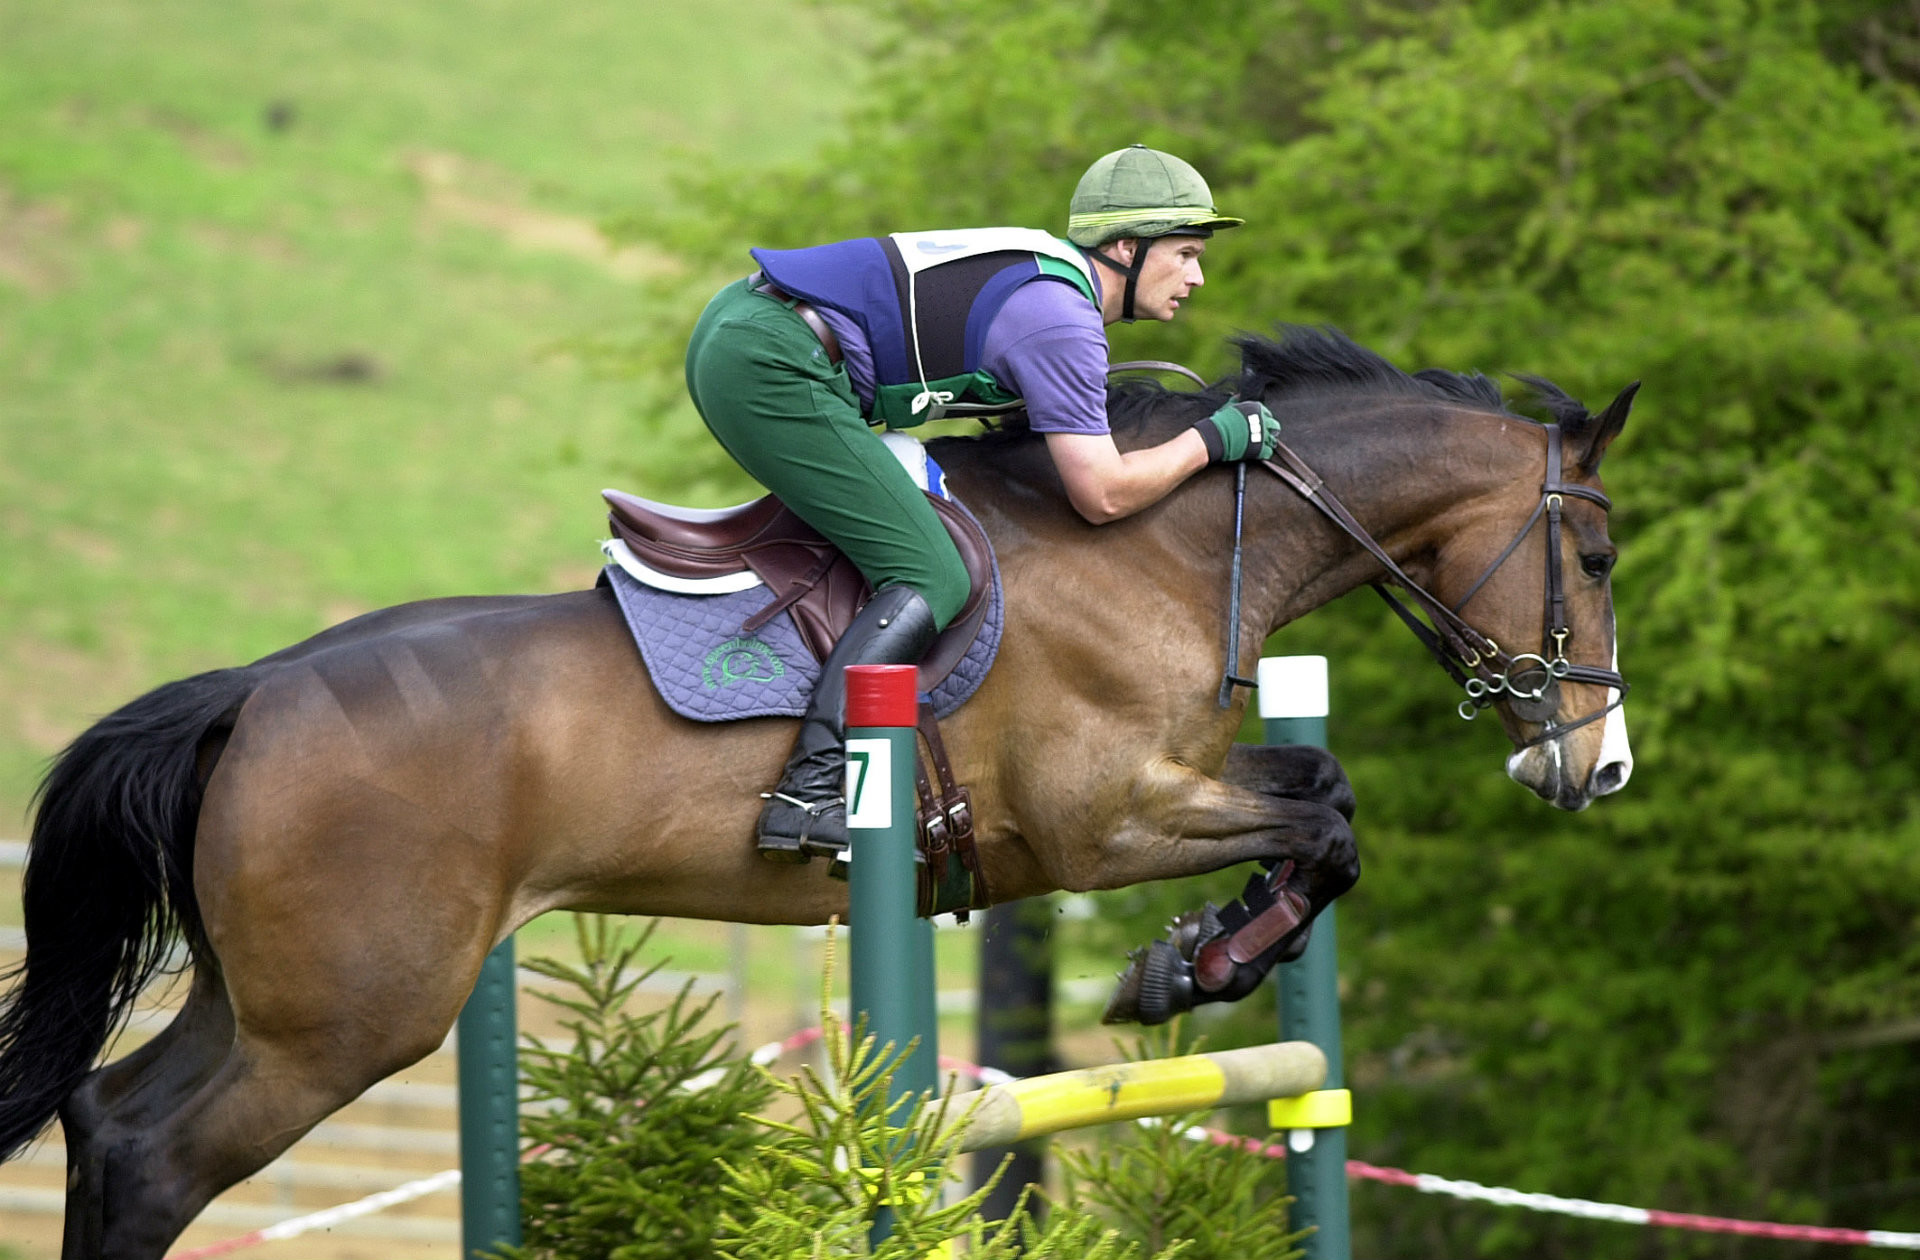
(892,979)
(1293,710)
(489,1058)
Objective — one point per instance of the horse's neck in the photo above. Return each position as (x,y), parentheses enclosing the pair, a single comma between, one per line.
(1410,471)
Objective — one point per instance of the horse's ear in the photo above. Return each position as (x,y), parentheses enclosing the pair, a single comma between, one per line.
(1606,427)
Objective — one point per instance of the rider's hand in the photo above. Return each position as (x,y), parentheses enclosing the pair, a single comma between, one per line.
(1241,430)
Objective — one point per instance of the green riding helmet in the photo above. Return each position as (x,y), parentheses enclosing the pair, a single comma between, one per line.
(1144,194)
(1141,192)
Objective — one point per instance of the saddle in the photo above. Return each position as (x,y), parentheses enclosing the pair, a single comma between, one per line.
(807,576)
(765,543)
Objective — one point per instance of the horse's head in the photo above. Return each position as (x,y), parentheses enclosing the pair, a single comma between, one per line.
(1531,571)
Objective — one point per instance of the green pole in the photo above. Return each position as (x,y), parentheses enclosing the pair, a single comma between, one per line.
(892,953)
(490,1110)
(1293,710)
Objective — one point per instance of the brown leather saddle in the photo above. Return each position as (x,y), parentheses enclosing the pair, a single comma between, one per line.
(809,577)
(805,574)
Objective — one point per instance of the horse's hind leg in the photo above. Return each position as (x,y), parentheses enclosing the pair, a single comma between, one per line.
(154,1168)
(307,1009)
(130,1093)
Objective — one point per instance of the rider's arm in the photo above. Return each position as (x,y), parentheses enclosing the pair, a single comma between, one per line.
(1049,345)
(1105,483)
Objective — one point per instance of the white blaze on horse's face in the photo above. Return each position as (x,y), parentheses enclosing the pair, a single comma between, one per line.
(1616,754)
(1548,769)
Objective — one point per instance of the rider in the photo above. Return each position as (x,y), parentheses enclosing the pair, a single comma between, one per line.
(790,366)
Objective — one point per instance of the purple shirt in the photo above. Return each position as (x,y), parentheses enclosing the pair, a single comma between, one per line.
(1047,344)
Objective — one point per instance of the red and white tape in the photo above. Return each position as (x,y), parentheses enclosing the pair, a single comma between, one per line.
(1427,1183)
(1357,1170)
(330,1217)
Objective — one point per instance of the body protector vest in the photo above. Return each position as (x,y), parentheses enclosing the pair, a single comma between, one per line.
(925,301)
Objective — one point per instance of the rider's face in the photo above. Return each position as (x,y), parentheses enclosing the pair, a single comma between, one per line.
(1172,271)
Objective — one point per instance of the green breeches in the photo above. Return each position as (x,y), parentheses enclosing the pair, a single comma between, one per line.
(789,416)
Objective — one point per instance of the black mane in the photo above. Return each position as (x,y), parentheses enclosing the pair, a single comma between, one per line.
(1320,361)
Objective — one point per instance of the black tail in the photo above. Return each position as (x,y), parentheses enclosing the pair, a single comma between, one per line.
(108,888)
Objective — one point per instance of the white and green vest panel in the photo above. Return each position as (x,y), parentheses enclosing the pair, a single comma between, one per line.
(925,301)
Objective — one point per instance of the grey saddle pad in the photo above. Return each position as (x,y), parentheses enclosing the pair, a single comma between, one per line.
(707,670)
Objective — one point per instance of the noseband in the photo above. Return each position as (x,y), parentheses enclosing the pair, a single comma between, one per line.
(1530,680)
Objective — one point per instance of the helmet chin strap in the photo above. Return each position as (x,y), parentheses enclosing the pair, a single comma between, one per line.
(1132,273)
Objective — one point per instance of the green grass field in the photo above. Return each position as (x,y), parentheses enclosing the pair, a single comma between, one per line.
(286,292)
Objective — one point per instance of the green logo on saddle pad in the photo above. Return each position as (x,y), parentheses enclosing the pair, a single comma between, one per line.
(738,661)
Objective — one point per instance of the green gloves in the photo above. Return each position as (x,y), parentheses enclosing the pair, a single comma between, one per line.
(1240,430)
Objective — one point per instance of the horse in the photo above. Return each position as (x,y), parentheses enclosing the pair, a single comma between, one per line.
(341,831)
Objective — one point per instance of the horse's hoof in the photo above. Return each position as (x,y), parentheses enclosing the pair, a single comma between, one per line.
(1158,985)
(1124,1006)
(1191,928)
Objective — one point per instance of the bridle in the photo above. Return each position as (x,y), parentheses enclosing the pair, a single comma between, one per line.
(1530,680)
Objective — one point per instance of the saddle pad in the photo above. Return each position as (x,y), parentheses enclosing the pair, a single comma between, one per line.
(707,670)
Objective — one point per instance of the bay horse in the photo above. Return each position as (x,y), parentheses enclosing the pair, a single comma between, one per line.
(341,831)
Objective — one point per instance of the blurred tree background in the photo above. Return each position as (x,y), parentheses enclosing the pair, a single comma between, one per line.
(291,334)
(1703,995)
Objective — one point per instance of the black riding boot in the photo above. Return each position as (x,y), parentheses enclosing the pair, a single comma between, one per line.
(807,813)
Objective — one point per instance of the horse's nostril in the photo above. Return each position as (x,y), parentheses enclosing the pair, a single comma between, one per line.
(1610,778)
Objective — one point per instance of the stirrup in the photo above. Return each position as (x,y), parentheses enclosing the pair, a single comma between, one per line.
(802,848)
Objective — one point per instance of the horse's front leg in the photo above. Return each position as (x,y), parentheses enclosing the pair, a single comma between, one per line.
(1306,848)
(1298,772)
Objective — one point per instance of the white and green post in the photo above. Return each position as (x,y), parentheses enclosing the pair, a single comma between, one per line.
(1293,710)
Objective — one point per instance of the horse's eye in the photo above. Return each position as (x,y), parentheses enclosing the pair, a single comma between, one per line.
(1596,566)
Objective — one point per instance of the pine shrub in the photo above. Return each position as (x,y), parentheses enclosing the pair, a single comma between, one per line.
(627,1127)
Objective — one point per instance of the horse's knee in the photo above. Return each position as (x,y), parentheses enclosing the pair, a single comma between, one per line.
(1339,867)
(1331,788)
(1321,779)
(1326,858)
(1299,772)
(1340,870)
